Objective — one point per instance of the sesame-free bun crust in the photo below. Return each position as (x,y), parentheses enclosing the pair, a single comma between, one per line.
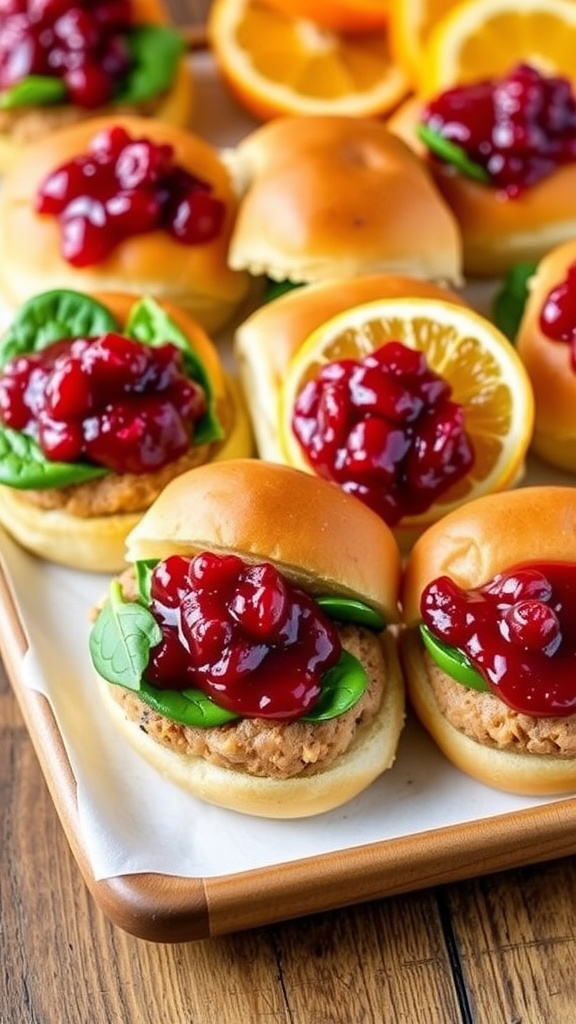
(372,752)
(97,543)
(32,123)
(266,341)
(498,232)
(549,366)
(318,536)
(327,197)
(195,277)
(488,536)
(511,771)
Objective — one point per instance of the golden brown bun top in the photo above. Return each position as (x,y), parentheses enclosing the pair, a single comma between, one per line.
(490,535)
(289,319)
(498,232)
(320,537)
(151,262)
(337,196)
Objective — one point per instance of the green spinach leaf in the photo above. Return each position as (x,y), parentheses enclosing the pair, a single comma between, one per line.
(510,300)
(347,609)
(451,153)
(155,52)
(150,325)
(51,316)
(24,466)
(34,91)
(342,687)
(121,639)
(453,661)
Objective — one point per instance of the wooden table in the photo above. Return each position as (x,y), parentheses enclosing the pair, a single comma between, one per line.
(496,949)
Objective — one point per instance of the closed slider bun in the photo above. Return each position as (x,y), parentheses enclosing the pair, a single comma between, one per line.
(195,277)
(325,542)
(333,196)
(497,232)
(476,730)
(549,366)
(21,126)
(85,526)
(265,342)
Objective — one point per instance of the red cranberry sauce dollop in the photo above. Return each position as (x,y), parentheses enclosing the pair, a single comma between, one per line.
(520,127)
(107,400)
(246,636)
(82,42)
(385,429)
(122,187)
(557,319)
(518,631)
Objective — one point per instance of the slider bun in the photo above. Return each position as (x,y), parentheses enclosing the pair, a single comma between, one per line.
(267,340)
(316,535)
(175,106)
(549,366)
(98,543)
(488,536)
(511,771)
(334,196)
(497,232)
(195,277)
(372,752)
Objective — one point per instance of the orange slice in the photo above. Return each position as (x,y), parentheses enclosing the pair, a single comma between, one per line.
(484,38)
(339,15)
(410,24)
(487,377)
(277,64)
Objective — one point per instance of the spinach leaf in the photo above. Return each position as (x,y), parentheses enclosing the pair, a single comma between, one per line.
(346,609)
(451,153)
(34,91)
(342,687)
(189,707)
(143,570)
(121,640)
(23,465)
(452,661)
(509,301)
(155,52)
(51,316)
(149,324)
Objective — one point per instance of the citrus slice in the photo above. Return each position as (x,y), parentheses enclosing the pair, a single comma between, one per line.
(479,39)
(410,24)
(339,15)
(484,371)
(277,64)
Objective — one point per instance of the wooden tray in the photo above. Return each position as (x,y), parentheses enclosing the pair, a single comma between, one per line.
(167,908)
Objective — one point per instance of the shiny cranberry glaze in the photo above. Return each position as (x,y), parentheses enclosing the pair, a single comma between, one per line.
(122,187)
(107,400)
(518,631)
(557,318)
(520,127)
(81,42)
(253,642)
(385,429)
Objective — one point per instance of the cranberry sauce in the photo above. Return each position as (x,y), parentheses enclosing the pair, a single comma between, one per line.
(122,187)
(81,42)
(109,400)
(557,318)
(253,642)
(518,631)
(519,128)
(385,429)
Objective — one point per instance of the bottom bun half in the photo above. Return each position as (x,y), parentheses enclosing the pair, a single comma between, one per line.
(527,774)
(372,752)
